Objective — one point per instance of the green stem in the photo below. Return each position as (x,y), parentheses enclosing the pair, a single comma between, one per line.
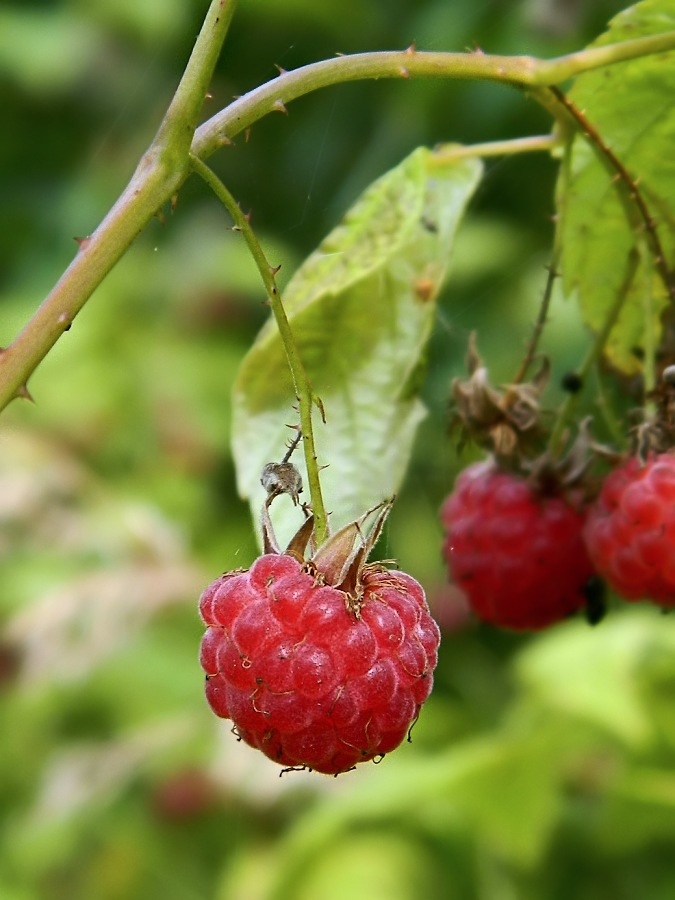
(164,167)
(303,388)
(649,363)
(519,71)
(570,403)
(540,323)
(159,175)
(536,143)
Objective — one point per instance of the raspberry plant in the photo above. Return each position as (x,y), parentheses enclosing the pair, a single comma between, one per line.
(343,359)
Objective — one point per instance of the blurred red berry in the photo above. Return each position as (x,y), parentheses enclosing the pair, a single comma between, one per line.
(518,555)
(630,531)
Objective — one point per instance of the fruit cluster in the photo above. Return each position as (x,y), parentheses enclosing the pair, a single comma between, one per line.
(525,557)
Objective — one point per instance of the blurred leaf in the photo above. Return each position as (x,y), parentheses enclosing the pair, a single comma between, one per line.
(46,50)
(153,20)
(361,308)
(377,866)
(631,106)
(639,809)
(95,773)
(594,673)
(513,800)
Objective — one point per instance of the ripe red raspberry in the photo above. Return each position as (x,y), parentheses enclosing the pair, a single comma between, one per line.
(518,555)
(630,531)
(311,675)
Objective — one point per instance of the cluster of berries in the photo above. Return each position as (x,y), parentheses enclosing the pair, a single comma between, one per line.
(525,559)
(529,538)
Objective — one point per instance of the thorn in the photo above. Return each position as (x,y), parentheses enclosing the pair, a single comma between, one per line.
(275,269)
(24,394)
(403,72)
(247,135)
(247,216)
(208,95)
(174,203)
(280,69)
(338,53)
(319,404)
(411,49)
(279,106)
(82,242)
(292,445)
(225,141)
(66,320)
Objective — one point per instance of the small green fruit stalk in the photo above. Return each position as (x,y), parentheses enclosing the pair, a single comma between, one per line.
(321,659)
(513,523)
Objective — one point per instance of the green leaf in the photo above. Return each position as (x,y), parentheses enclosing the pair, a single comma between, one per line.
(596,674)
(45,51)
(513,800)
(631,106)
(361,308)
(380,866)
(638,810)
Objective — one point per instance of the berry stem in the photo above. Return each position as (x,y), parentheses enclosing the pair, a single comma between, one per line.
(570,403)
(301,383)
(531,144)
(542,317)
(649,362)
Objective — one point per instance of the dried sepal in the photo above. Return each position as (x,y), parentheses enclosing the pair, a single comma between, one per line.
(555,474)
(657,435)
(340,560)
(505,420)
(270,543)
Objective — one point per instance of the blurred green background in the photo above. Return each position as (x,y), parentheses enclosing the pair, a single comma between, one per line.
(542,767)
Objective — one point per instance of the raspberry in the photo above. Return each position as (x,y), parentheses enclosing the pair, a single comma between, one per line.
(630,531)
(518,555)
(311,675)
